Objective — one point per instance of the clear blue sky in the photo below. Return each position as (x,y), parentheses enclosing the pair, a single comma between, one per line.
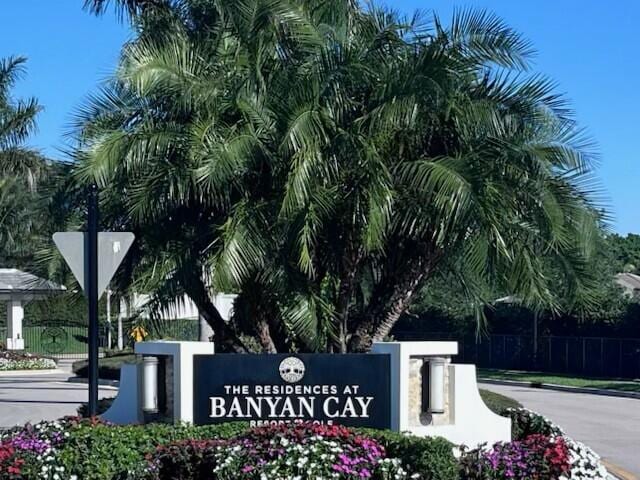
(589,47)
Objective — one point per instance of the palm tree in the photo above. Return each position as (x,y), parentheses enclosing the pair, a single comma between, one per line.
(200,182)
(325,160)
(20,168)
(17,123)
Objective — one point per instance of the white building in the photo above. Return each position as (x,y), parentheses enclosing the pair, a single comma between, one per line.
(630,282)
(18,288)
(185,308)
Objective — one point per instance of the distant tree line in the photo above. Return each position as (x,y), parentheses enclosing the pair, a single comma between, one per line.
(441,307)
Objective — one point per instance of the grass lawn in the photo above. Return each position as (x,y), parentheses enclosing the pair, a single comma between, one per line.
(559,379)
(498,403)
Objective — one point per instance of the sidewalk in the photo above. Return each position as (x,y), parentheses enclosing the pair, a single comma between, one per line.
(32,398)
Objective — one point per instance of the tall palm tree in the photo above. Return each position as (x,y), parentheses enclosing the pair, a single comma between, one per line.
(17,123)
(200,182)
(20,168)
(325,160)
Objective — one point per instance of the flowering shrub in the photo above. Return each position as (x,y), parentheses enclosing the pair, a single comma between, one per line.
(584,463)
(88,449)
(36,448)
(292,451)
(10,360)
(525,422)
(106,452)
(535,457)
(10,462)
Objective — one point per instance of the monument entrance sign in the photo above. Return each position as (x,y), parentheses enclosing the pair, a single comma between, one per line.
(403,386)
(352,390)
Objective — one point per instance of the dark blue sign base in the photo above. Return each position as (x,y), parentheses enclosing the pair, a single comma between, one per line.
(350,389)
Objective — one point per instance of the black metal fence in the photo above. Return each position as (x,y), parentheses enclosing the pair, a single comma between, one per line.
(64,340)
(589,356)
(57,339)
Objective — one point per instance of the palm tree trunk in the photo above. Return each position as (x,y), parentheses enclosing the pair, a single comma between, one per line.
(224,336)
(389,302)
(264,336)
(261,315)
(345,295)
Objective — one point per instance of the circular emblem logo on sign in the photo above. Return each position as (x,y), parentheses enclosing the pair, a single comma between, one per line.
(291,369)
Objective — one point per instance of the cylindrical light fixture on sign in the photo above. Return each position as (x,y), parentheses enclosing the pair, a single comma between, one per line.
(436,384)
(150,384)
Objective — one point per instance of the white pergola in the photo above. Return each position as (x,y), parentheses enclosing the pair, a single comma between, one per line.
(18,288)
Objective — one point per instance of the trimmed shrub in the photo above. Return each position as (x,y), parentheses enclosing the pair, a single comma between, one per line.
(103,405)
(108,367)
(185,460)
(88,449)
(524,422)
(430,457)
(105,452)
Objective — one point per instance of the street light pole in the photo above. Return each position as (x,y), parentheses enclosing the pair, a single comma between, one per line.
(92,294)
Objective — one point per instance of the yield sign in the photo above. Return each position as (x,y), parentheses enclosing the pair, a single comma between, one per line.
(112,247)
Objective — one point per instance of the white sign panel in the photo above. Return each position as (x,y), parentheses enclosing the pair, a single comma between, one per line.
(112,248)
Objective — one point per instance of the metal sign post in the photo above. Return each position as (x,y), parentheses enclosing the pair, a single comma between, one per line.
(93,258)
(92,294)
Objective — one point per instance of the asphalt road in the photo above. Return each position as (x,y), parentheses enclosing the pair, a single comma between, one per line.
(609,425)
(31,398)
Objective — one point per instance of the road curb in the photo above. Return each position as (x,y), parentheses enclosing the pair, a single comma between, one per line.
(562,388)
(30,373)
(618,472)
(106,384)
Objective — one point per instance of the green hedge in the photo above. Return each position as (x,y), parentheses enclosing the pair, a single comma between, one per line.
(108,367)
(103,405)
(432,457)
(107,452)
(104,452)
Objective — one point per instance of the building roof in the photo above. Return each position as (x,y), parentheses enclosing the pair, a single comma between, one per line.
(14,281)
(628,281)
